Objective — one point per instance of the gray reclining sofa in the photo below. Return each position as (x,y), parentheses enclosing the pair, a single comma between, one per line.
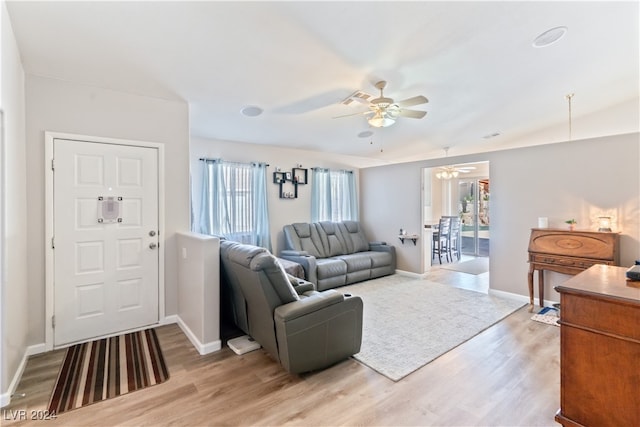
(304,330)
(337,253)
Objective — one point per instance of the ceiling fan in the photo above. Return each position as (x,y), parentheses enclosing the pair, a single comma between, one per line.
(448,172)
(384,111)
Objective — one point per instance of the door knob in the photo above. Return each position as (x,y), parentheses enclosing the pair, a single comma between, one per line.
(152,233)
(153,245)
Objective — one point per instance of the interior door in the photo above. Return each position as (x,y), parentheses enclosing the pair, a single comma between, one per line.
(105,239)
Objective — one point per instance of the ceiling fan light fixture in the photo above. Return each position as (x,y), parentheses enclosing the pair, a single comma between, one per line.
(448,172)
(384,110)
(379,121)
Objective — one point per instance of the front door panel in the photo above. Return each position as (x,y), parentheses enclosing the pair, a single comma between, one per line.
(106,238)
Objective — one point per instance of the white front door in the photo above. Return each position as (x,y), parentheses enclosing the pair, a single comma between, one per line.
(105,207)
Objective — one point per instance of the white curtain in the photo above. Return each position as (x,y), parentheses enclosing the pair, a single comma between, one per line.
(234,202)
(333,195)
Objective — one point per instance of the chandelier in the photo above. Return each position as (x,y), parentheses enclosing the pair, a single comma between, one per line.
(447,172)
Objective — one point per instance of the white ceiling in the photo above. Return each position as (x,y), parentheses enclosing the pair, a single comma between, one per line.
(297,60)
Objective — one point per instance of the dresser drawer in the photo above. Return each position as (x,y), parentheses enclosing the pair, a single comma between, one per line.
(618,318)
(565,261)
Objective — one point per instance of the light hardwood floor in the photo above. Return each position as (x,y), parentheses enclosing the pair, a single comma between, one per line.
(508,375)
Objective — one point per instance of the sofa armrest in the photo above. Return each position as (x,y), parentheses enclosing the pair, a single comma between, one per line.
(312,303)
(304,287)
(300,285)
(291,252)
(382,247)
(318,331)
(308,263)
(385,248)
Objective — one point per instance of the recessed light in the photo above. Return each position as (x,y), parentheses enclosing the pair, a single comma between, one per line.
(251,111)
(365,134)
(549,37)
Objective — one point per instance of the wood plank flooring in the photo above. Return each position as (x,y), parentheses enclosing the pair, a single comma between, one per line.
(508,375)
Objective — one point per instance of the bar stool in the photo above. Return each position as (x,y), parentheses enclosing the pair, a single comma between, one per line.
(441,239)
(453,245)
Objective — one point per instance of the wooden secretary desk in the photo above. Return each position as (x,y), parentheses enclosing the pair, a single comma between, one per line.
(568,252)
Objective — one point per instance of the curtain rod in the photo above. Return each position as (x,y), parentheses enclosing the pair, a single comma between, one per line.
(328,169)
(205,159)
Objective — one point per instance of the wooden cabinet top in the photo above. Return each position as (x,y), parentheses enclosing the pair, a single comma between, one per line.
(584,244)
(606,281)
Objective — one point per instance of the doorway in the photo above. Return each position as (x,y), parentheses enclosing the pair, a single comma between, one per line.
(104,273)
(460,190)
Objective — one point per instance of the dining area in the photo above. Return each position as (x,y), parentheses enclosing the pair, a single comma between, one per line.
(456,216)
(445,250)
(446,239)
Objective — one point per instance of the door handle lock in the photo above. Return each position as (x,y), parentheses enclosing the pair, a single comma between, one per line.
(153,245)
(152,233)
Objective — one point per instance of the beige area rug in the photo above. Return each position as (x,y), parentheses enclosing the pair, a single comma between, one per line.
(409,323)
(475,266)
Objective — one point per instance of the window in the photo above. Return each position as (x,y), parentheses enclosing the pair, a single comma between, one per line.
(234,202)
(333,195)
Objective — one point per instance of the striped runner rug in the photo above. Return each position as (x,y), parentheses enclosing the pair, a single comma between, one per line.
(106,368)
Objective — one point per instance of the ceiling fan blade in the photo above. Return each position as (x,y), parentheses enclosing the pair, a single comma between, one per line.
(410,102)
(357,96)
(413,114)
(361,113)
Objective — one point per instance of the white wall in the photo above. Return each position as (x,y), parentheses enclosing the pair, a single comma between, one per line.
(577,179)
(59,106)
(199,290)
(14,308)
(281,211)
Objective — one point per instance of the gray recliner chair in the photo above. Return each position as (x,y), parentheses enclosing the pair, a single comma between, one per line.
(304,330)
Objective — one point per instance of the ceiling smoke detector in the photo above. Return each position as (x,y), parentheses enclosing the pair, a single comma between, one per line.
(251,111)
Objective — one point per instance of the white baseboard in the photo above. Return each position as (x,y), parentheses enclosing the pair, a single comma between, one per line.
(32,350)
(5,398)
(168,320)
(518,297)
(203,349)
(411,274)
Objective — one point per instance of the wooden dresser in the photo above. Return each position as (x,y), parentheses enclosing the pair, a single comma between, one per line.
(599,349)
(568,252)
